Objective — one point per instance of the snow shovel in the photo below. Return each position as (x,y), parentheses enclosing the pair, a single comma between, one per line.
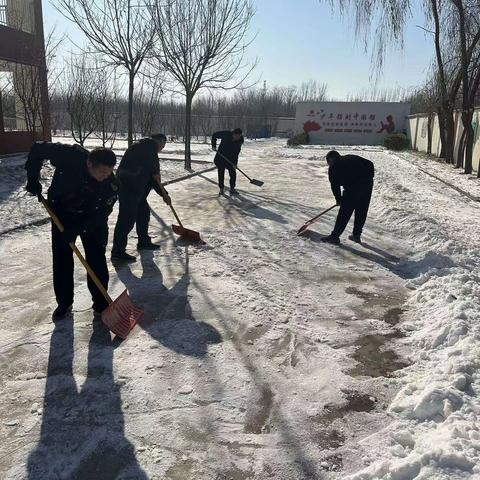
(313,220)
(179,229)
(258,183)
(183,232)
(121,315)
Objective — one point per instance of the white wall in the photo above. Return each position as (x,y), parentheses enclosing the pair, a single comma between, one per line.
(417,133)
(350,123)
(285,126)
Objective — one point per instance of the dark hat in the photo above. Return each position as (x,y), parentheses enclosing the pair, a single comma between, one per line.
(238,131)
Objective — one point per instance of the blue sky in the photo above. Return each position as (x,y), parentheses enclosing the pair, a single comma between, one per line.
(299,40)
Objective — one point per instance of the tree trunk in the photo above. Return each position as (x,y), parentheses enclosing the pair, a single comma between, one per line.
(131,84)
(188,128)
(461,151)
(429,133)
(442,128)
(449,136)
(469,138)
(466,115)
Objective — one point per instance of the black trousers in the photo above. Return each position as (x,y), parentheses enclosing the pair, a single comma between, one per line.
(133,210)
(354,200)
(94,245)
(221,175)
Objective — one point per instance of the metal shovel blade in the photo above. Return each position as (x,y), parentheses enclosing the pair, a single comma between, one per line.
(122,315)
(258,183)
(187,234)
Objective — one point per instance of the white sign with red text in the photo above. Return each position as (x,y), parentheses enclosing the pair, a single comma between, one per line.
(351,123)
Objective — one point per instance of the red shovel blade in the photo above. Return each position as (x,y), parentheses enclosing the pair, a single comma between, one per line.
(183,232)
(122,315)
(303,229)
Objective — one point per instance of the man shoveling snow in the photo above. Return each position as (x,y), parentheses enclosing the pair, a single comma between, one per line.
(227,156)
(82,194)
(139,173)
(355,174)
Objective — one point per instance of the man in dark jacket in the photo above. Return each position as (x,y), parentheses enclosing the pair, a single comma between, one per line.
(355,174)
(230,146)
(82,194)
(139,172)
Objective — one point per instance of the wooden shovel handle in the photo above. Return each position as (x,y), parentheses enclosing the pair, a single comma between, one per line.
(320,215)
(171,206)
(77,252)
(233,165)
(176,216)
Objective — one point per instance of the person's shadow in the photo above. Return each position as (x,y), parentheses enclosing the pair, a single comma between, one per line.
(82,433)
(168,314)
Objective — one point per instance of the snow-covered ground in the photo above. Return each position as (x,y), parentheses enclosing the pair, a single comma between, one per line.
(173,150)
(446,173)
(17,207)
(262,354)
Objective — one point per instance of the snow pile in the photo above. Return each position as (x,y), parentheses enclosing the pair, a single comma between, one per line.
(436,433)
(447,173)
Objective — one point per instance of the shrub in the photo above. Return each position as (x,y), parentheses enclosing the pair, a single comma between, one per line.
(397,141)
(300,139)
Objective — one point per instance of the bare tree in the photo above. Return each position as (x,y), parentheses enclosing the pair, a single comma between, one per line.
(312,91)
(106,98)
(147,104)
(80,90)
(26,81)
(380,23)
(118,30)
(26,88)
(468,40)
(202,44)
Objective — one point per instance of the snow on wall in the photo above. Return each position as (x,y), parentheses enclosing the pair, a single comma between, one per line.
(351,123)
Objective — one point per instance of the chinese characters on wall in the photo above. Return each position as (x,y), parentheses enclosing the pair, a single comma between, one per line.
(353,122)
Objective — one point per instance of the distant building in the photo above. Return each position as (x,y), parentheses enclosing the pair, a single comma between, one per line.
(351,123)
(24,109)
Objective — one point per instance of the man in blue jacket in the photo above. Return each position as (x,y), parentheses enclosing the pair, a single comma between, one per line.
(230,146)
(82,194)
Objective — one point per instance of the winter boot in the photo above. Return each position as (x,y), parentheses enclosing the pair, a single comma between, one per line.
(221,192)
(122,257)
(233,192)
(61,312)
(331,239)
(355,238)
(148,246)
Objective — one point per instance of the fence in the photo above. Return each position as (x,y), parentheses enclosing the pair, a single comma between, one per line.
(417,129)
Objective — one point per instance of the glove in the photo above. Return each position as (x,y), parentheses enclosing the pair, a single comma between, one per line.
(34,187)
(214,149)
(69,234)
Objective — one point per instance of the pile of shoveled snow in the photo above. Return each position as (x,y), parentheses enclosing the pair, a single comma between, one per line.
(436,431)
(447,173)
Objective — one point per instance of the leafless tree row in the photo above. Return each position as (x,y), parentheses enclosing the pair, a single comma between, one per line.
(197,44)
(89,103)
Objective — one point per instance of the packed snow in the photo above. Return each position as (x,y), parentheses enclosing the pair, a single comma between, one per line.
(262,354)
(17,208)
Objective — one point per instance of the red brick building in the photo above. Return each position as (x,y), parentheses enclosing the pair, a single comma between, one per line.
(24,110)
